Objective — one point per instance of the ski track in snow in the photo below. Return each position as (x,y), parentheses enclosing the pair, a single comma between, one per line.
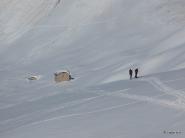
(139,99)
(158,84)
(110,36)
(81,114)
(167,103)
(24,120)
(66,105)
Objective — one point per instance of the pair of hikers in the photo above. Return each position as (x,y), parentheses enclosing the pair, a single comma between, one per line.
(131,72)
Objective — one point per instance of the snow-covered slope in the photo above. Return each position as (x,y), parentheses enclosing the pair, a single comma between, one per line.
(98,41)
(18,16)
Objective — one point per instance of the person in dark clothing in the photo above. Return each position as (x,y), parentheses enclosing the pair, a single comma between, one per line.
(136,72)
(130,73)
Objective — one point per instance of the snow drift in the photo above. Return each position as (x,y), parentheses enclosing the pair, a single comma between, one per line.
(98,41)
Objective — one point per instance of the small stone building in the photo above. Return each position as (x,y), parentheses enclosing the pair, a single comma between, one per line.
(62,76)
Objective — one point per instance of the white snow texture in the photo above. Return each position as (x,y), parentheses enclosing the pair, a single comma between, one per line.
(98,41)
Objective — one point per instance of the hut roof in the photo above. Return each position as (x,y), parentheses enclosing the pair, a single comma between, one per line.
(66,71)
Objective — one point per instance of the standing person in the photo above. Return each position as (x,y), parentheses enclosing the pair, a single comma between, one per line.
(130,73)
(136,72)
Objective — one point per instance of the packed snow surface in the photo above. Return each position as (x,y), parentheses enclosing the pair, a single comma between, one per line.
(97,41)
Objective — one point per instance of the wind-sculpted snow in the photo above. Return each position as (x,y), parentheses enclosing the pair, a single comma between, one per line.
(105,104)
(19,16)
(97,41)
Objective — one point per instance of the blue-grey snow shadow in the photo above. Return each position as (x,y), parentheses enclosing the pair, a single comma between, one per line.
(119,85)
(135,86)
(33,111)
(168,75)
(142,86)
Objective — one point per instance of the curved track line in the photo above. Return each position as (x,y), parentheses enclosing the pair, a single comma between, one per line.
(166,103)
(80,114)
(158,84)
(66,105)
